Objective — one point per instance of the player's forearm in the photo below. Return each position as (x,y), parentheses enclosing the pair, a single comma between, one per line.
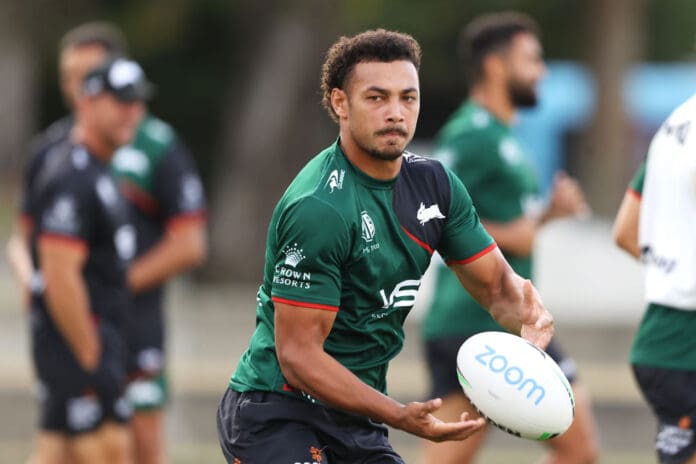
(318,374)
(515,237)
(506,306)
(68,305)
(177,252)
(19,259)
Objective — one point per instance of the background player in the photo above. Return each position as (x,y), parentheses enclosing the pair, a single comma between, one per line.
(347,245)
(655,224)
(81,242)
(159,179)
(81,49)
(503,60)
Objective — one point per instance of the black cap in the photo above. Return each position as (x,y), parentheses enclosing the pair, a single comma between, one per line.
(123,78)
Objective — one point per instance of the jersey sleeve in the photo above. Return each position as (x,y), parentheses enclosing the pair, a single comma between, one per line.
(464,238)
(66,212)
(636,184)
(177,186)
(313,243)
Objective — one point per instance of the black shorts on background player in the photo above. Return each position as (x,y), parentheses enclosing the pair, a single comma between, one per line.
(671,393)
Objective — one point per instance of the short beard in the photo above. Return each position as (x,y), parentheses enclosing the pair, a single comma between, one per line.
(384,155)
(391,153)
(522,96)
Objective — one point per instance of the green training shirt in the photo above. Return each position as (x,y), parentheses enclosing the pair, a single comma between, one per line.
(665,337)
(341,241)
(485,155)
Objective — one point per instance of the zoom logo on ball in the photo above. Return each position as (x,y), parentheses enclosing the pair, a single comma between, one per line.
(513,375)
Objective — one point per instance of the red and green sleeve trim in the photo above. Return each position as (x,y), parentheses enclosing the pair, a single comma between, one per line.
(472,258)
(304,304)
(635,193)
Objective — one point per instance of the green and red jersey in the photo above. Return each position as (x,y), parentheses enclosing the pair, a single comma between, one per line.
(342,241)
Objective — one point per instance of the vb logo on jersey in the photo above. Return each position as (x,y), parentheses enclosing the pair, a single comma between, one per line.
(403,295)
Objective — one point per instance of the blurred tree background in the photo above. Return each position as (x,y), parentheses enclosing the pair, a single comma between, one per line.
(239,79)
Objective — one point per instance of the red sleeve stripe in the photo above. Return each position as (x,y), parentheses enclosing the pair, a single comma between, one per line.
(66,239)
(423,245)
(26,222)
(486,250)
(305,305)
(635,193)
(185,218)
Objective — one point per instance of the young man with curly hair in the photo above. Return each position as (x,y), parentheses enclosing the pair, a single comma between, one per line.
(347,246)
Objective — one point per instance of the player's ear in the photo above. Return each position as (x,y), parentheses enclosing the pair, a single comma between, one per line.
(339,102)
(493,65)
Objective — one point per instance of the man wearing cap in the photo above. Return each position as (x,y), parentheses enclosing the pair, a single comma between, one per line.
(81,242)
(157,175)
(165,196)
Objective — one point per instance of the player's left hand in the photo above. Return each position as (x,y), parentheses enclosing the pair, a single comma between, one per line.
(537,324)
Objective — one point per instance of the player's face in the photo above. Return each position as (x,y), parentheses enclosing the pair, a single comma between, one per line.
(383,101)
(525,68)
(75,63)
(114,121)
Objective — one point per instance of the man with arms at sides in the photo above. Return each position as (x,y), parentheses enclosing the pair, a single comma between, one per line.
(81,49)
(347,246)
(157,175)
(81,242)
(656,223)
(503,60)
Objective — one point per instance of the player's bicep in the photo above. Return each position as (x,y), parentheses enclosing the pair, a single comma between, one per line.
(482,276)
(59,254)
(300,328)
(626,224)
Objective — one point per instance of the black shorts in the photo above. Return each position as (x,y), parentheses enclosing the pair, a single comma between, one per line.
(272,428)
(441,358)
(148,386)
(671,394)
(72,400)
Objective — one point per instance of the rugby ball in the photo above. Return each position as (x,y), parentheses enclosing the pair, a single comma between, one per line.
(515,385)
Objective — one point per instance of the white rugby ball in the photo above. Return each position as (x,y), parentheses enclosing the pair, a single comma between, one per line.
(515,385)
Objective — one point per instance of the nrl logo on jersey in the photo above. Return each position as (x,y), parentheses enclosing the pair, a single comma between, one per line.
(335,180)
(426,214)
(368,227)
(413,158)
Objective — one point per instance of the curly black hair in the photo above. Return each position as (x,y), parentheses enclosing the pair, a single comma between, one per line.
(377,45)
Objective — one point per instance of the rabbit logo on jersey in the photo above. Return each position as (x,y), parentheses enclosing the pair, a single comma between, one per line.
(286,274)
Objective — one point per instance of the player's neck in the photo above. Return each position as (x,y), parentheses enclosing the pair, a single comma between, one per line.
(95,145)
(374,167)
(495,100)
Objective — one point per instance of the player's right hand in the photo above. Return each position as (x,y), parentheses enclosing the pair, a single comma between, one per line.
(417,419)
